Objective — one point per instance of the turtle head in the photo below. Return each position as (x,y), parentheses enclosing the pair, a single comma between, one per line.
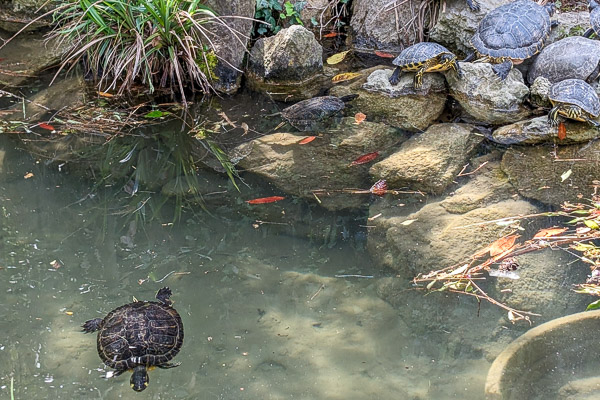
(139,379)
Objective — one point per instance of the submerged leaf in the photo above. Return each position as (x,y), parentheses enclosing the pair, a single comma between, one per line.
(365,158)
(346,76)
(544,233)
(565,175)
(502,244)
(265,200)
(307,139)
(383,54)
(337,58)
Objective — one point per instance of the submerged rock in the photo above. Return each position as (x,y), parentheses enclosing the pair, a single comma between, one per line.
(288,65)
(537,130)
(429,162)
(487,98)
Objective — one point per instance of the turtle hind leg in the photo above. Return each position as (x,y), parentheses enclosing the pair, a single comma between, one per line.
(395,78)
(163,295)
(553,116)
(92,325)
(594,75)
(169,365)
(502,69)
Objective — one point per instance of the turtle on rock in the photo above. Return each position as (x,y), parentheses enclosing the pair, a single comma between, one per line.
(138,336)
(511,33)
(574,99)
(594,8)
(306,115)
(424,57)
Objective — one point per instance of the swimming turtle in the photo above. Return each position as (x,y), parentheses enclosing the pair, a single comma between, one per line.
(594,8)
(574,99)
(138,336)
(423,57)
(307,114)
(511,33)
(569,58)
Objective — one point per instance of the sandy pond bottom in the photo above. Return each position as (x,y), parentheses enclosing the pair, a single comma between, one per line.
(265,317)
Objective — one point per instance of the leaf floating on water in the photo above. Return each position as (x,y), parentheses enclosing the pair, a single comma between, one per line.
(104,94)
(359,117)
(365,158)
(549,232)
(566,175)
(346,76)
(46,126)
(337,58)
(383,54)
(562,131)
(379,187)
(331,34)
(265,200)
(307,139)
(502,244)
(155,114)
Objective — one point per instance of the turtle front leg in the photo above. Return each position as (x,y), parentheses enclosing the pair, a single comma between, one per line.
(456,69)
(395,78)
(418,81)
(92,325)
(502,69)
(169,365)
(553,116)
(592,122)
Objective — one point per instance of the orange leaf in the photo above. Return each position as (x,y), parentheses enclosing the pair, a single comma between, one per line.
(562,131)
(28,175)
(264,200)
(379,187)
(307,139)
(384,54)
(544,233)
(331,34)
(46,126)
(502,244)
(346,76)
(104,94)
(365,158)
(359,117)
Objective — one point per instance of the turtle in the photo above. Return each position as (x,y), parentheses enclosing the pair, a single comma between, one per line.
(571,57)
(307,114)
(594,19)
(138,336)
(511,33)
(573,99)
(424,57)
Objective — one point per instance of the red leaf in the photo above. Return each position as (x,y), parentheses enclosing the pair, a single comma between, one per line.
(562,131)
(331,34)
(359,117)
(264,200)
(46,126)
(379,187)
(365,158)
(384,54)
(307,139)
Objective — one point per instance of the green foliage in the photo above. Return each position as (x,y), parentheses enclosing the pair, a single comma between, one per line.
(277,16)
(160,43)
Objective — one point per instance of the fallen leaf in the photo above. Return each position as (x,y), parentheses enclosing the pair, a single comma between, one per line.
(337,58)
(383,54)
(346,76)
(28,175)
(264,200)
(379,188)
(566,175)
(104,94)
(331,34)
(46,126)
(307,139)
(359,117)
(562,131)
(549,232)
(407,222)
(365,158)
(69,312)
(592,224)
(502,244)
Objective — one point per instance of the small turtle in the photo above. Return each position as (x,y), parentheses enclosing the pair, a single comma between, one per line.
(574,99)
(307,114)
(138,336)
(594,19)
(511,33)
(569,58)
(424,57)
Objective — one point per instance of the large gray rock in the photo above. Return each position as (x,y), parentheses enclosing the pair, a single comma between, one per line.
(553,175)
(402,105)
(231,48)
(573,57)
(288,65)
(429,162)
(488,99)
(323,163)
(537,130)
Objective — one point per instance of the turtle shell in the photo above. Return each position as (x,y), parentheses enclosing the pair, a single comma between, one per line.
(419,53)
(515,30)
(577,92)
(140,333)
(305,114)
(573,57)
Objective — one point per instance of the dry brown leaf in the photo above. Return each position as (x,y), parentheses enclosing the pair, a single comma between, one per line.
(544,233)
(503,244)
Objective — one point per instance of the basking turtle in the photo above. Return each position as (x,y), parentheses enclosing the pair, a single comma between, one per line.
(307,114)
(424,57)
(138,336)
(574,99)
(594,19)
(511,33)
(569,58)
